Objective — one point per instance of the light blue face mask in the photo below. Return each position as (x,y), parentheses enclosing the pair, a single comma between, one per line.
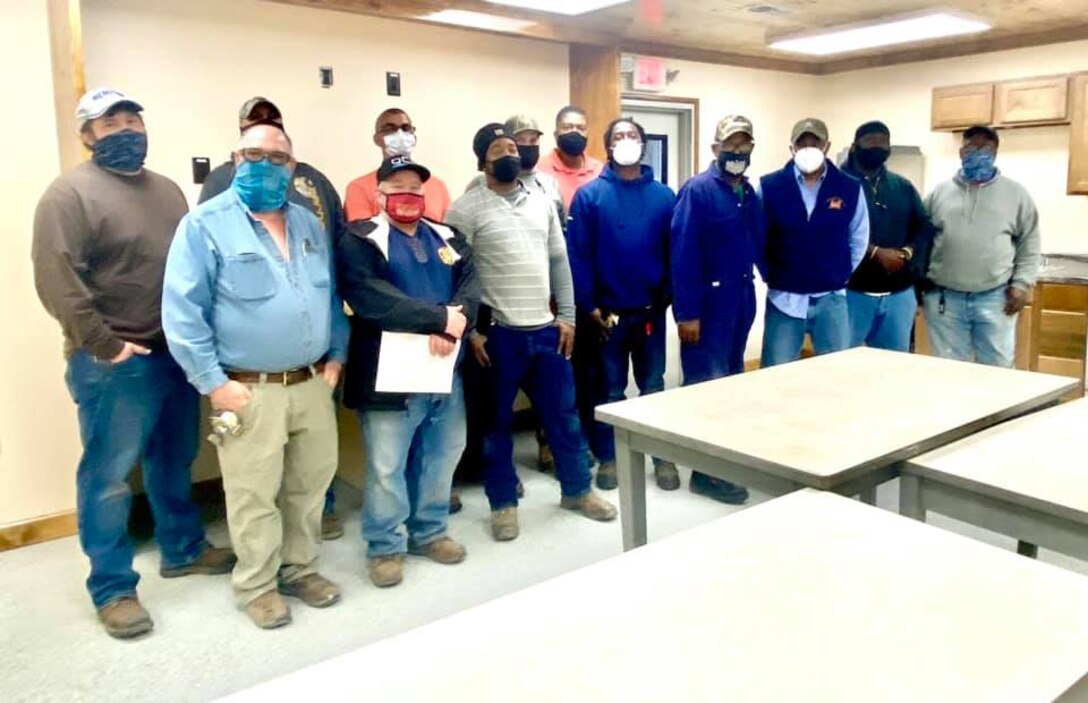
(978,165)
(261,185)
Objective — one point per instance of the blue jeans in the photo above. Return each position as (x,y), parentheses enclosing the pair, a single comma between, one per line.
(530,359)
(783,335)
(882,321)
(971,326)
(639,337)
(140,411)
(411,455)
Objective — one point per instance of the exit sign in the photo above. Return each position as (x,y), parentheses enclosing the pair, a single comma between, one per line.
(650,75)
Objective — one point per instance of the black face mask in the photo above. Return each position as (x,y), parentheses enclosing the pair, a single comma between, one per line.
(873,157)
(529,156)
(572,143)
(506,169)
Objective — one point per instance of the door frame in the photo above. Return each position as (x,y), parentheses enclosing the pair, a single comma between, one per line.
(682,105)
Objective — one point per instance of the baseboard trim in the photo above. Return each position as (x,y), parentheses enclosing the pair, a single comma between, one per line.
(38,530)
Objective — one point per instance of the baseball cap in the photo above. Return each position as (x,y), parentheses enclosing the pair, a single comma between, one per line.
(733,124)
(521,123)
(809,125)
(96,103)
(257,101)
(484,138)
(394,164)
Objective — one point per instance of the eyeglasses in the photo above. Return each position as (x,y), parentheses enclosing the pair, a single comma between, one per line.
(279,158)
(386,129)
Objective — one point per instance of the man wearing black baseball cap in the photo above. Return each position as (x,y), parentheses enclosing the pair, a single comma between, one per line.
(402,273)
(309,188)
(522,261)
(881,296)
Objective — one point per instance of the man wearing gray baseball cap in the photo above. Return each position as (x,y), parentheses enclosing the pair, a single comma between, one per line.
(101,235)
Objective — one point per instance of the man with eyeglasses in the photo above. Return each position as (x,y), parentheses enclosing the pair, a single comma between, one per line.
(718,235)
(101,235)
(251,313)
(569,163)
(881,296)
(395,135)
(309,188)
(985,257)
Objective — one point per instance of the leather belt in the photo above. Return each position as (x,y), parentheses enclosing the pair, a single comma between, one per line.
(280,378)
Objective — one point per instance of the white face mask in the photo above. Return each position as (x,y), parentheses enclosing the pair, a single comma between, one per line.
(627,152)
(809,160)
(399,143)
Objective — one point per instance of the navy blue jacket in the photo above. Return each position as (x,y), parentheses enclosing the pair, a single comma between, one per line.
(618,242)
(717,239)
(809,254)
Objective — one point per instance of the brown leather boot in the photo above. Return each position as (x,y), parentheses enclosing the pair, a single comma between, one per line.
(314,590)
(504,524)
(443,550)
(386,571)
(212,561)
(331,527)
(268,611)
(592,506)
(125,618)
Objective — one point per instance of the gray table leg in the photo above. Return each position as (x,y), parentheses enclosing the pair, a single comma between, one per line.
(631,470)
(1027,549)
(868,495)
(911,503)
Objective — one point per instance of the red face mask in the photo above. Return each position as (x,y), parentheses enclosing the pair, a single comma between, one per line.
(404,207)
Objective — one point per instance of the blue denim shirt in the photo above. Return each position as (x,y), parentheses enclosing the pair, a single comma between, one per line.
(231,301)
(796,304)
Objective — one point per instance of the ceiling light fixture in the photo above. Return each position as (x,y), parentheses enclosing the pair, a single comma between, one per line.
(477,20)
(560,7)
(933,24)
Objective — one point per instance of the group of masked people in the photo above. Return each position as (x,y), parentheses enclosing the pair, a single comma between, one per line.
(271,299)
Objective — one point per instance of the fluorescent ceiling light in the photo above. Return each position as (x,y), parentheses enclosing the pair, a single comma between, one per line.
(477,20)
(560,7)
(901,30)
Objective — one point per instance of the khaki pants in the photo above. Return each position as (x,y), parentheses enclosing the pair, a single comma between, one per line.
(275,475)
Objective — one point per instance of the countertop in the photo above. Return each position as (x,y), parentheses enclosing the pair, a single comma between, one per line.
(1064,268)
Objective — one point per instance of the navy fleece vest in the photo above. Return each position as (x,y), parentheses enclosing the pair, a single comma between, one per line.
(809,254)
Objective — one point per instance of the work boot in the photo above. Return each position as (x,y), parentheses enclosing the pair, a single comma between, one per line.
(125,618)
(314,590)
(504,524)
(606,476)
(331,527)
(268,611)
(455,502)
(592,506)
(668,478)
(521,489)
(386,571)
(443,550)
(212,561)
(717,489)
(544,459)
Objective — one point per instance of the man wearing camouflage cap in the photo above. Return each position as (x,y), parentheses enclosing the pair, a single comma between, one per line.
(817,235)
(717,240)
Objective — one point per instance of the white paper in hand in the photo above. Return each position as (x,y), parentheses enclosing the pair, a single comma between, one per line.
(406,365)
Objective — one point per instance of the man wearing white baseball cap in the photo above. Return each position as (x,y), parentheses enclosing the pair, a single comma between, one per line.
(101,235)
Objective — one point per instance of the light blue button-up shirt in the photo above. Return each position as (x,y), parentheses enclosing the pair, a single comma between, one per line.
(232,302)
(796,304)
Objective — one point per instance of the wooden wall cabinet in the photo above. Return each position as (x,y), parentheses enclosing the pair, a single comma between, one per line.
(1078,135)
(1032,101)
(959,107)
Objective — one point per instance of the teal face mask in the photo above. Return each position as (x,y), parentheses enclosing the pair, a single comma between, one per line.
(261,185)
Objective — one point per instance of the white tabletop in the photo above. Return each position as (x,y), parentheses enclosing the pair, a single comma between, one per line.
(811,597)
(829,418)
(1040,460)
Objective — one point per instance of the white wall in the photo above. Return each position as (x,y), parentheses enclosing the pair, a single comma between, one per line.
(38,445)
(193,63)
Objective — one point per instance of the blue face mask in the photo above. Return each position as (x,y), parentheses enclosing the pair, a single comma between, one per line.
(978,165)
(261,185)
(122,151)
(733,164)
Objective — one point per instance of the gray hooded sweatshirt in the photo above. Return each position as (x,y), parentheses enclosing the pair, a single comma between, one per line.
(987,235)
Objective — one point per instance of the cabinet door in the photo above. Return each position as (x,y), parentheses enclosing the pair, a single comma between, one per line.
(1032,101)
(960,107)
(1078,136)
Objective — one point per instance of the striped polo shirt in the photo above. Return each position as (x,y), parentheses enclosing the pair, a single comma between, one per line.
(521,255)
